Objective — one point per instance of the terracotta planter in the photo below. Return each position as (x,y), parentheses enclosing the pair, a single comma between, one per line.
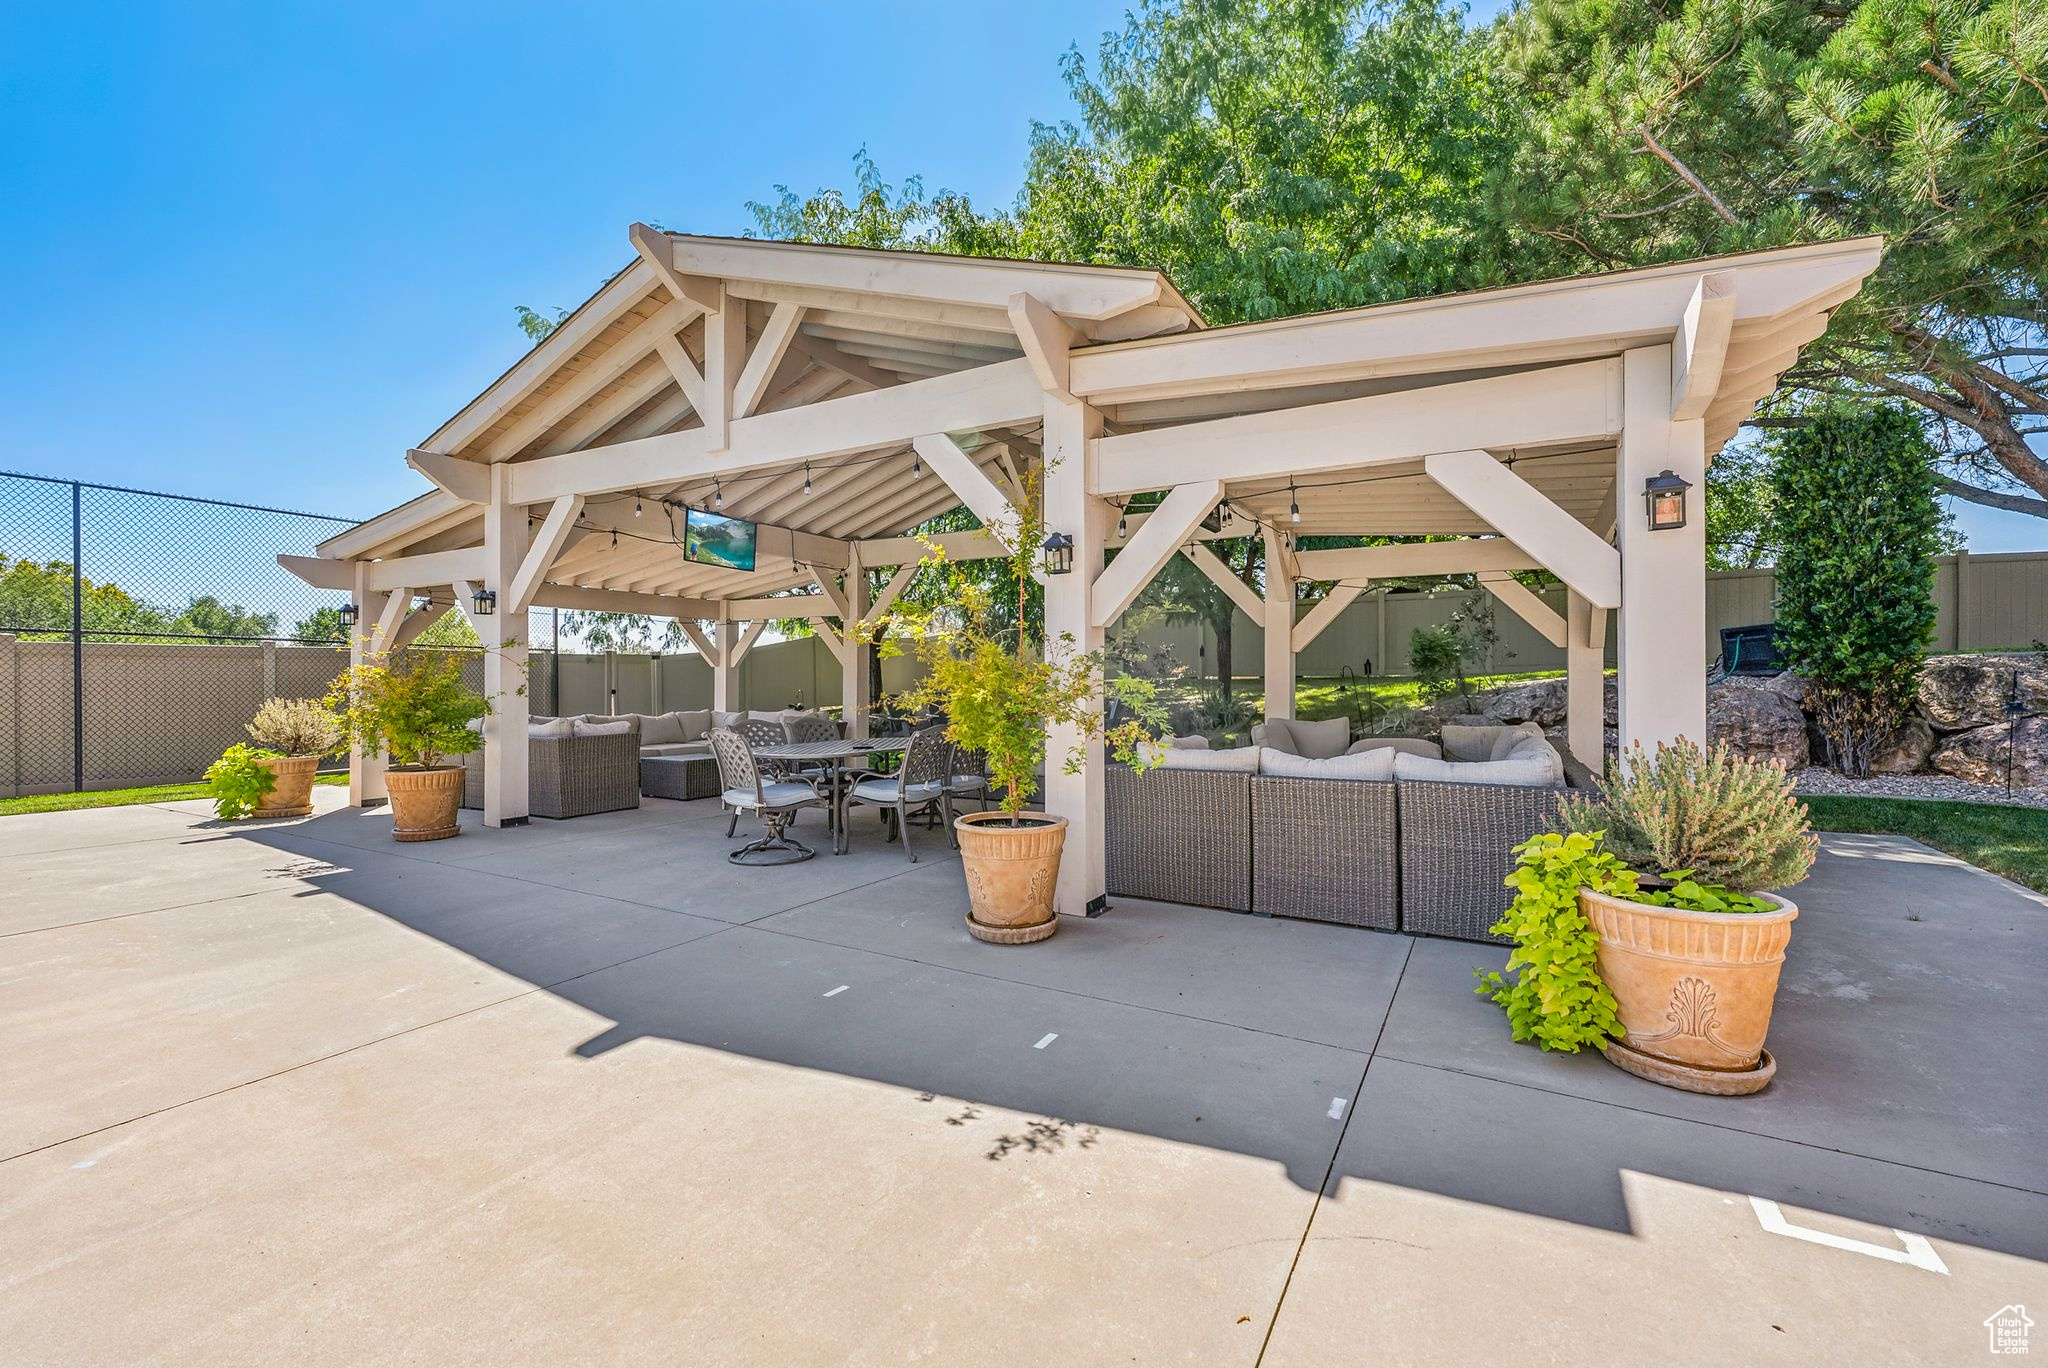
(1693,989)
(1011,873)
(424,802)
(293,794)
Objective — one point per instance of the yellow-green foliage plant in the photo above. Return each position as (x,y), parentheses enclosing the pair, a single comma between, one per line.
(238,781)
(998,690)
(1713,818)
(1556,996)
(418,713)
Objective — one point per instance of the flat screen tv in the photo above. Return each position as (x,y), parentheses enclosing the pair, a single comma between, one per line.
(714,539)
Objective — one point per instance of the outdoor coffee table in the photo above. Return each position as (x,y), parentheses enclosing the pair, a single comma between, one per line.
(833,754)
(678,776)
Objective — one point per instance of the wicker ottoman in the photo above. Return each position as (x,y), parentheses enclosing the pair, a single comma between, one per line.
(678,776)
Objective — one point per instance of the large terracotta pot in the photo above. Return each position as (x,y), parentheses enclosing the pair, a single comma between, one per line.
(292,796)
(1011,873)
(424,802)
(1693,989)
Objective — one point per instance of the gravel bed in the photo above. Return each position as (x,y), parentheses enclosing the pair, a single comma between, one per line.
(1940,786)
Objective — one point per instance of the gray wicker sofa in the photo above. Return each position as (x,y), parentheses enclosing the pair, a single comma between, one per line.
(570,776)
(1418,855)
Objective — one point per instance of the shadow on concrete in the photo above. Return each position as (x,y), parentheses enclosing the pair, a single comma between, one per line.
(1906,1030)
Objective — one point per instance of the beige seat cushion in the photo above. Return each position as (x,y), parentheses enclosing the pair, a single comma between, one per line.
(617,726)
(1473,744)
(1534,763)
(1405,745)
(555,729)
(1375,765)
(1238,760)
(1323,740)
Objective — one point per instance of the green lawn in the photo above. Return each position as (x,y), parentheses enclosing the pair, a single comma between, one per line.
(2012,841)
(160,793)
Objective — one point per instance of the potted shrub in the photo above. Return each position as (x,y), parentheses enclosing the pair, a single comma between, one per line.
(240,782)
(1691,940)
(418,715)
(294,733)
(999,692)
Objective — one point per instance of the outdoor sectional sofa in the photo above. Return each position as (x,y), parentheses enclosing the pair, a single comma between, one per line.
(1266,833)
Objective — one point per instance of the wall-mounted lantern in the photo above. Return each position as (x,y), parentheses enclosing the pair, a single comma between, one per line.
(483,603)
(1664,499)
(348,614)
(1059,554)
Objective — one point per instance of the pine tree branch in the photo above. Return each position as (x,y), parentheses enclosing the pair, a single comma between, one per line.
(1685,173)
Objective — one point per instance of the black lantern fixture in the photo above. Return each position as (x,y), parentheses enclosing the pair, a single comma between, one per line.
(1059,554)
(484,602)
(349,613)
(1664,500)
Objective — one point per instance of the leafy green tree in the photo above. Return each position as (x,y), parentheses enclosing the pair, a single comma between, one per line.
(35,600)
(206,616)
(1650,132)
(322,624)
(1856,514)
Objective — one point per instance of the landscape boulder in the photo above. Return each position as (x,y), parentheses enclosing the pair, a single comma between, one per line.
(1906,750)
(1961,692)
(1759,718)
(1979,755)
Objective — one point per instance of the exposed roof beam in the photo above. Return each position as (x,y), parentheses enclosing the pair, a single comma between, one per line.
(958,546)
(1327,610)
(1421,560)
(1047,341)
(1242,594)
(964,478)
(321,572)
(613,601)
(435,567)
(468,481)
(988,396)
(824,353)
(1531,408)
(1700,345)
(555,531)
(1520,512)
(655,249)
(1526,604)
(752,385)
(891,591)
(688,375)
(725,353)
(1171,524)
(579,389)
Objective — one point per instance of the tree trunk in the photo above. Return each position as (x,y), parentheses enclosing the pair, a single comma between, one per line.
(1223,628)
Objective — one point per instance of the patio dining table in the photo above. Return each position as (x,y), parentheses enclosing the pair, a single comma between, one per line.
(833,754)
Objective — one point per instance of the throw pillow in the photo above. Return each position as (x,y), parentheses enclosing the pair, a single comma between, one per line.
(1510,737)
(1239,760)
(1409,745)
(696,724)
(1469,743)
(663,729)
(1323,740)
(617,727)
(1188,742)
(1376,765)
(730,721)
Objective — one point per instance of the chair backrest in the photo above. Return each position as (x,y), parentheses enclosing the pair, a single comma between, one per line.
(926,760)
(759,731)
(968,764)
(807,727)
(736,767)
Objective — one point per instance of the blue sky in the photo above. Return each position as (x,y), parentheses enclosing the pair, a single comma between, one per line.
(257,251)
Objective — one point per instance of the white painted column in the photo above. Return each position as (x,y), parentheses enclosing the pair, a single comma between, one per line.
(1070,432)
(1279,631)
(365,772)
(724,668)
(1585,673)
(1660,657)
(506,538)
(856,699)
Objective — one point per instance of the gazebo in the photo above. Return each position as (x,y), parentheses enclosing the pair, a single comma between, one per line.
(838,397)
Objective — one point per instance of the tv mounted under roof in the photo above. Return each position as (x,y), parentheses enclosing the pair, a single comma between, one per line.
(714,539)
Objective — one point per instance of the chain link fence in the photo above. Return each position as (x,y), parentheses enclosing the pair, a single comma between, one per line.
(139,631)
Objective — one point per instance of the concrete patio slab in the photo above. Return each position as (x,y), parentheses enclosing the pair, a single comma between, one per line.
(1904,969)
(1611,1235)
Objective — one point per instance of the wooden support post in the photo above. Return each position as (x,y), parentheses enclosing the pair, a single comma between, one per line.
(366,772)
(1279,630)
(856,699)
(506,541)
(1071,431)
(1585,673)
(725,691)
(1663,682)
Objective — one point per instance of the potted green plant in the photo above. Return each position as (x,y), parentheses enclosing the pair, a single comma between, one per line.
(294,733)
(1691,944)
(418,714)
(240,782)
(1000,691)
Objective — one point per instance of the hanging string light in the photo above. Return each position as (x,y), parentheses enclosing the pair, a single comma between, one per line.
(1293,504)
(636,503)
(717,494)
(615,539)
(807,477)
(916,466)
(1123,526)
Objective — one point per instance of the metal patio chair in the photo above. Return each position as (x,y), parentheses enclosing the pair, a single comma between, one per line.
(776,802)
(918,785)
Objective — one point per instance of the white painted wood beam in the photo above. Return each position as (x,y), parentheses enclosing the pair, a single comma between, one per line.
(829,635)
(1526,604)
(320,572)
(1047,341)
(554,533)
(1279,629)
(965,478)
(891,591)
(603,371)
(1563,403)
(657,250)
(744,642)
(958,546)
(1242,594)
(1171,524)
(725,354)
(688,375)
(468,481)
(820,352)
(1327,611)
(1519,511)
(986,397)
(712,649)
(1700,345)
(834,595)
(773,606)
(435,567)
(616,601)
(751,387)
(397,603)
